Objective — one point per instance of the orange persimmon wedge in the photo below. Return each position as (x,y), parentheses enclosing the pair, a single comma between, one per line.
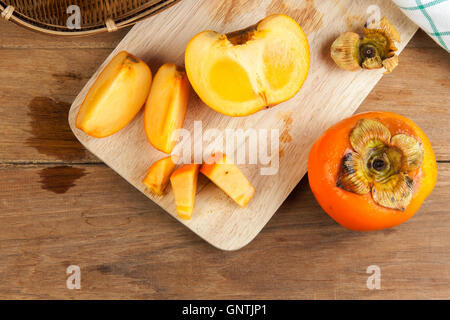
(229,178)
(166,107)
(240,73)
(184,186)
(115,97)
(158,175)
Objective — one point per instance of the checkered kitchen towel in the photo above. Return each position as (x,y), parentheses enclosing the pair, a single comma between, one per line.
(433,16)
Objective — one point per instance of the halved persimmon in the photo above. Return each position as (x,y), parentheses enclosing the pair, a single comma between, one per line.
(245,71)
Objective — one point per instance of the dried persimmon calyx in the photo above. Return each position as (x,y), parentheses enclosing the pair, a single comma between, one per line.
(380,164)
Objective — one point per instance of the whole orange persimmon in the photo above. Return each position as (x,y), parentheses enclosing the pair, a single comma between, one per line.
(372,171)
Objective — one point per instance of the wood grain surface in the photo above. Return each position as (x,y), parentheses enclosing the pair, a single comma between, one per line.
(60,206)
(328,96)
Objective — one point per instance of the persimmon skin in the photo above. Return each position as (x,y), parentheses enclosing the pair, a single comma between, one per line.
(359,212)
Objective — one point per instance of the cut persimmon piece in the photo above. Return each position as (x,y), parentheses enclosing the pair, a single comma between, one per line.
(157,177)
(116,96)
(240,73)
(229,178)
(184,186)
(166,106)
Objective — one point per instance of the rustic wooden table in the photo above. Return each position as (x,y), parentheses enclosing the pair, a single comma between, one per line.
(60,206)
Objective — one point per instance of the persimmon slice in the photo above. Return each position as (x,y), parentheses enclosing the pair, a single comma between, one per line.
(184,185)
(229,179)
(166,107)
(157,177)
(115,97)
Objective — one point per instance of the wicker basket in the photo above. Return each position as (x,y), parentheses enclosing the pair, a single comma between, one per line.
(51,16)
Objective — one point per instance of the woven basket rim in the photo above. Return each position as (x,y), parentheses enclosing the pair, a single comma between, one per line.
(30,23)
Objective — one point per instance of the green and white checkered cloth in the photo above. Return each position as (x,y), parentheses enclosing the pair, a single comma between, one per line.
(433,16)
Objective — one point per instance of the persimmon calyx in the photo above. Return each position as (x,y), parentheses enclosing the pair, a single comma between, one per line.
(375,50)
(380,164)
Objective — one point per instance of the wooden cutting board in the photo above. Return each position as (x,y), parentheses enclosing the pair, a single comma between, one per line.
(328,96)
